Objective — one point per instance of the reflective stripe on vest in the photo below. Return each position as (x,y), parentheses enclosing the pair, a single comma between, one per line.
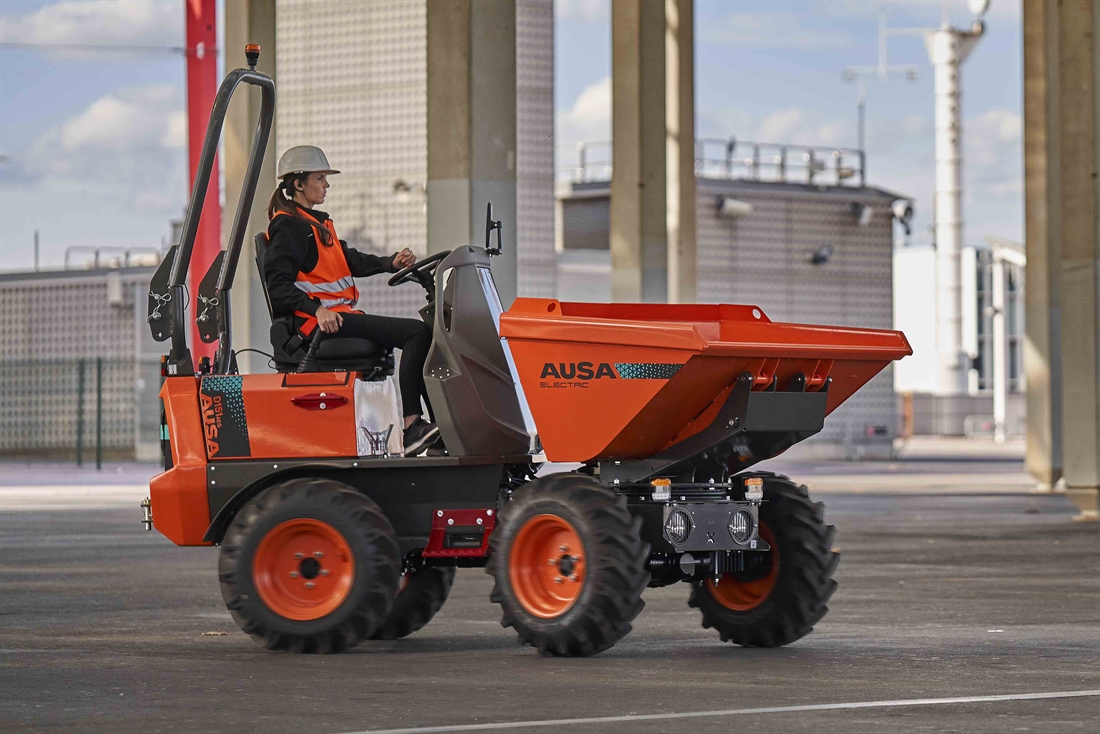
(331,276)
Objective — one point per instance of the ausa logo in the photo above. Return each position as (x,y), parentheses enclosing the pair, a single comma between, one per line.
(578,370)
(212,411)
(578,374)
(575,374)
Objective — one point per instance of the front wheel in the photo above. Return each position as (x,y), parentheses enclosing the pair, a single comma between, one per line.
(309,565)
(783,592)
(569,565)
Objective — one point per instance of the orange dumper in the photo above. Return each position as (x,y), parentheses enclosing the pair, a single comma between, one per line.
(657,414)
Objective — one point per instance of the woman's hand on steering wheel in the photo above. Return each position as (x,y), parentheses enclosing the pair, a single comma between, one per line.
(403,259)
(419,270)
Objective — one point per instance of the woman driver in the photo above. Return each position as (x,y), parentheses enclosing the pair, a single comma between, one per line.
(309,275)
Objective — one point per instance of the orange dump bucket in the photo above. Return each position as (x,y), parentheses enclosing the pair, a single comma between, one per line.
(627,380)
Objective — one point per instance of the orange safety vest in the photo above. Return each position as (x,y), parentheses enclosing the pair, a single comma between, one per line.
(330,281)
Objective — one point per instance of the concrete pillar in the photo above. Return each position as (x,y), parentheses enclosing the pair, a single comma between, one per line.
(1043,303)
(653,151)
(1062,158)
(472,128)
(680,148)
(248,21)
(1079,138)
(639,216)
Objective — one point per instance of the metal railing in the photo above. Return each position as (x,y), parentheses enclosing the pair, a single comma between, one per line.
(124,257)
(82,409)
(737,160)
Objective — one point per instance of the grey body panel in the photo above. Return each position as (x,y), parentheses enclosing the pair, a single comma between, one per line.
(466,374)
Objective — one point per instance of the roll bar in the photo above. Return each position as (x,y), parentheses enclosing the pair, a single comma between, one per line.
(179,358)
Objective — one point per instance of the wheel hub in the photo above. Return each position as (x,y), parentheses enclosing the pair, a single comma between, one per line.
(546,566)
(303,569)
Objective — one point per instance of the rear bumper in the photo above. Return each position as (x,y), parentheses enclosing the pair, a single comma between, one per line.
(180,509)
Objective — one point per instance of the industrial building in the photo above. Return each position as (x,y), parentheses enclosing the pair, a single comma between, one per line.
(76,363)
(993,290)
(789,229)
(353,80)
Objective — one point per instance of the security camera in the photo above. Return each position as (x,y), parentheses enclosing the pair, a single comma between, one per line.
(903,212)
(730,208)
(821,255)
(862,212)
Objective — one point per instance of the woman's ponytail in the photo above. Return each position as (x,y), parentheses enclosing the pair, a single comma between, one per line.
(281,202)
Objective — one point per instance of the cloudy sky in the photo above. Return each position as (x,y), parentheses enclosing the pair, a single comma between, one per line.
(94,144)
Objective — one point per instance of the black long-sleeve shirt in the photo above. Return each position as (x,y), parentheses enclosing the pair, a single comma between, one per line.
(292,250)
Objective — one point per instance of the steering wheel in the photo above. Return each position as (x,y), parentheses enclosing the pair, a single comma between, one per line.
(420,271)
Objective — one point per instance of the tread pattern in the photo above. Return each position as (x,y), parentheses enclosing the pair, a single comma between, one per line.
(805,583)
(377,560)
(616,575)
(418,602)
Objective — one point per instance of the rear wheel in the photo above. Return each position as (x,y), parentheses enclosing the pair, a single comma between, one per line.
(782,593)
(421,596)
(309,565)
(569,565)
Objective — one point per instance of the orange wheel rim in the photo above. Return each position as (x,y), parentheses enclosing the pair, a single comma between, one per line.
(303,569)
(547,566)
(742,596)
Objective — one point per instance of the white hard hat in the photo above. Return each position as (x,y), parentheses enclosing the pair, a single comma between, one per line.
(303,159)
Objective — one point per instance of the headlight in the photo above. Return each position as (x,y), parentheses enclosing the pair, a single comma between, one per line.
(678,527)
(754,489)
(741,526)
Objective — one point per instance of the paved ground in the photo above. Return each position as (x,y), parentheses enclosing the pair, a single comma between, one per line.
(941,596)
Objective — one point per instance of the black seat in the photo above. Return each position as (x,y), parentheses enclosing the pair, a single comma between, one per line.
(373,360)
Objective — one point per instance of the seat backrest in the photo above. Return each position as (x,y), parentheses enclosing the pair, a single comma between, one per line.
(261,261)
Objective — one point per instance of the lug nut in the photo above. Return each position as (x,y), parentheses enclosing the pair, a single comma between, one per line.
(299,555)
(558,579)
(318,554)
(293,574)
(563,548)
(310,584)
(573,578)
(324,572)
(553,561)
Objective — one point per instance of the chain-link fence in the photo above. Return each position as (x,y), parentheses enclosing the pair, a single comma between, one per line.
(84,410)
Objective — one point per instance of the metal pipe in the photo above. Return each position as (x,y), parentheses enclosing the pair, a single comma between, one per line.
(1000,372)
(240,220)
(80,367)
(99,412)
(178,277)
(948,48)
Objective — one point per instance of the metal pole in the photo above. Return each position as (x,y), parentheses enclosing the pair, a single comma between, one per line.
(80,413)
(948,49)
(99,412)
(862,105)
(36,250)
(949,225)
(1000,372)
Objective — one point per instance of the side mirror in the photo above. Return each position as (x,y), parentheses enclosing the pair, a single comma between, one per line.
(490,225)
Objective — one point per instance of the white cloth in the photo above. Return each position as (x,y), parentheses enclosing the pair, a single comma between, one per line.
(377,409)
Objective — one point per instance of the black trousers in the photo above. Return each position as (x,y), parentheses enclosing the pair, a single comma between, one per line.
(411,336)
